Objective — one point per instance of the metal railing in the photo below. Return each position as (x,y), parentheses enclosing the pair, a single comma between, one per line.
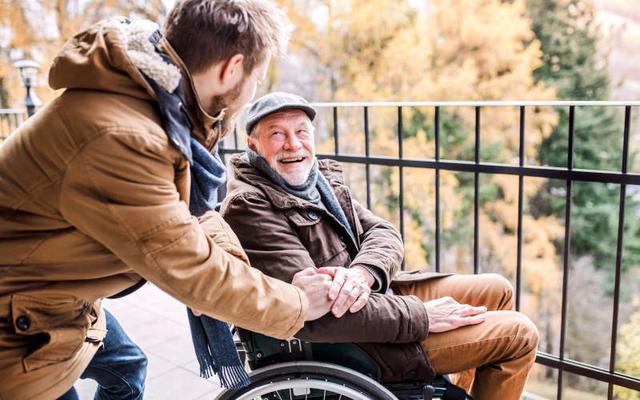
(569,174)
(10,119)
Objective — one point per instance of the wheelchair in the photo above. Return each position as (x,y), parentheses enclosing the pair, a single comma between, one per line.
(297,370)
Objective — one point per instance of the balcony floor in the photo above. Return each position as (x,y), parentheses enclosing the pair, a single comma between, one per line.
(158,324)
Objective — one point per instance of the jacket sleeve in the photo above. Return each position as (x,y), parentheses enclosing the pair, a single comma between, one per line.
(380,246)
(274,247)
(119,190)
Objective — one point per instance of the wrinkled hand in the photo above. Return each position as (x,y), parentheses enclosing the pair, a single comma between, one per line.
(446,314)
(316,287)
(350,288)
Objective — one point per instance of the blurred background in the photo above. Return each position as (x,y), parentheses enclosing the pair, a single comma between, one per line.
(445,50)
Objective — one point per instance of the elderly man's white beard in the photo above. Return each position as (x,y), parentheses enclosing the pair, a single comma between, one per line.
(295,178)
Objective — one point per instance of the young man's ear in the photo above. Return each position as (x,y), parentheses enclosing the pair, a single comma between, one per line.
(232,71)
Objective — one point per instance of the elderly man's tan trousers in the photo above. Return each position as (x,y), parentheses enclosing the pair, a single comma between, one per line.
(502,349)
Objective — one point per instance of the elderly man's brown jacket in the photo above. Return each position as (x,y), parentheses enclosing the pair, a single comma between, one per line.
(283,234)
(93,197)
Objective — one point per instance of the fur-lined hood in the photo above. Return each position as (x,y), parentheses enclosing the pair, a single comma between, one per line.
(109,55)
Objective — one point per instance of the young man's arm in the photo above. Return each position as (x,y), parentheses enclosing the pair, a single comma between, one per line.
(119,190)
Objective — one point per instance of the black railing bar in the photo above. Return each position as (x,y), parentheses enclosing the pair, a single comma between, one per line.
(572,120)
(476,195)
(588,371)
(235,139)
(367,167)
(436,132)
(400,134)
(401,174)
(222,189)
(616,289)
(506,103)
(567,248)
(583,175)
(335,131)
(520,209)
(625,143)
(619,252)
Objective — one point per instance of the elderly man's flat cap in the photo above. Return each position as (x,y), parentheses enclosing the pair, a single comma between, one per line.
(275,102)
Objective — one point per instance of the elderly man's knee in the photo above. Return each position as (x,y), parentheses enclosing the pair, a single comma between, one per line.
(526,330)
(501,287)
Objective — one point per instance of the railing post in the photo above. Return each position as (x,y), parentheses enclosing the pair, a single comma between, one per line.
(619,250)
(436,123)
(476,197)
(521,151)
(567,248)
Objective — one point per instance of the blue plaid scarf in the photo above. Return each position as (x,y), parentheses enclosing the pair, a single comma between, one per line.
(212,339)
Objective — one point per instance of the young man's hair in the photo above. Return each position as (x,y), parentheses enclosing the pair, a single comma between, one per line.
(205,32)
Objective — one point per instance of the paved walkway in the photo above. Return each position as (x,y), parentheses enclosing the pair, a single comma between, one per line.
(158,324)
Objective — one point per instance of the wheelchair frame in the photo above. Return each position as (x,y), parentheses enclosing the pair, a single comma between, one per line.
(296,377)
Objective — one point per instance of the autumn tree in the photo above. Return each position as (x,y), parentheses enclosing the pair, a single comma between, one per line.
(37,29)
(569,36)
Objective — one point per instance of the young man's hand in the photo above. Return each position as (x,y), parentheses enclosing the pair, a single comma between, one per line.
(446,314)
(350,288)
(316,287)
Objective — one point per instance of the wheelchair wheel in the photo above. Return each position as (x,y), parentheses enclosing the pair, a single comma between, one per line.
(308,380)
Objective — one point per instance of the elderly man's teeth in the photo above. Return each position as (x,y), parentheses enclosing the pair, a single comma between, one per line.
(291,160)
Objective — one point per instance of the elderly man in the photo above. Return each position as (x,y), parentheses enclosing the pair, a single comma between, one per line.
(292,212)
(112,183)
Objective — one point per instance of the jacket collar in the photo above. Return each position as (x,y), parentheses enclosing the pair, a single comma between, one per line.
(207,129)
(277,196)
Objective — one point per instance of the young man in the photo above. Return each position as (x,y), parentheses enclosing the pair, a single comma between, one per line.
(291,211)
(98,192)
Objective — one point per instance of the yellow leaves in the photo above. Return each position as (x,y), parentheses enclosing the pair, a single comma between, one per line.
(38,29)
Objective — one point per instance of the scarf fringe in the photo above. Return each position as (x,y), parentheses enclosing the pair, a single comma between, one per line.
(230,376)
(207,366)
(233,377)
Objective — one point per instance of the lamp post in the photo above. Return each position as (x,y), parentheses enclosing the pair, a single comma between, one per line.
(28,74)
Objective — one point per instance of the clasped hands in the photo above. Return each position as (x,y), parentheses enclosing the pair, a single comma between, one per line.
(334,289)
(339,290)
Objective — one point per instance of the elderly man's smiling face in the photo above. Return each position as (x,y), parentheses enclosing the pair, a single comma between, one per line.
(285,140)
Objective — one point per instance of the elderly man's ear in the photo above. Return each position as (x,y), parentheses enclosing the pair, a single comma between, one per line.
(251,143)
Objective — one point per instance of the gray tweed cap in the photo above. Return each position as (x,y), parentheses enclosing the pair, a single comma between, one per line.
(274,102)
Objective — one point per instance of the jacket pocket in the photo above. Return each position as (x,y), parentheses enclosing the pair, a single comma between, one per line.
(55,325)
(321,240)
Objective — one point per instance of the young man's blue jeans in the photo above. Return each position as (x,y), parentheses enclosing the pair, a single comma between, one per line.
(119,367)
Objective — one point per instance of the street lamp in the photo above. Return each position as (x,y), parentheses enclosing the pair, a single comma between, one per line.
(28,73)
